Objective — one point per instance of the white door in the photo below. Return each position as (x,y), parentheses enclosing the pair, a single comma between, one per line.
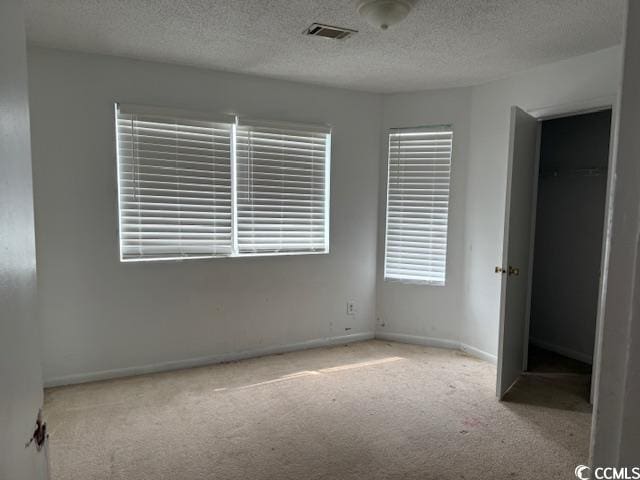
(517,249)
(20,371)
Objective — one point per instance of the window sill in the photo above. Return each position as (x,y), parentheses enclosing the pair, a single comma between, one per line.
(410,281)
(217,257)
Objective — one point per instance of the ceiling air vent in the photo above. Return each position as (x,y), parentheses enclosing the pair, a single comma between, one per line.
(328,31)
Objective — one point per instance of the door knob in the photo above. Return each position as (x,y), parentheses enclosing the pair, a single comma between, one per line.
(514,271)
(500,270)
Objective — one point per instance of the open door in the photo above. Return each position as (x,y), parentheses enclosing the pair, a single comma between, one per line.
(516,253)
(20,370)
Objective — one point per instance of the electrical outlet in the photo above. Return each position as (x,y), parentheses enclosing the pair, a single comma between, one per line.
(351,308)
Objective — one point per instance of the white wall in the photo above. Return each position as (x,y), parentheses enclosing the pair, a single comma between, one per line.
(20,371)
(616,426)
(428,314)
(100,315)
(569,82)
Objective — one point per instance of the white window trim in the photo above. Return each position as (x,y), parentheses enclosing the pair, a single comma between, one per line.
(247,129)
(235,121)
(415,281)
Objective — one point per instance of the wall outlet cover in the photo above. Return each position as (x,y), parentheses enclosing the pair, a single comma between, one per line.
(351,308)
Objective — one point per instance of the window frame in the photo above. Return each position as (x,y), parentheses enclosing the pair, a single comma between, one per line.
(415,281)
(233,120)
(242,122)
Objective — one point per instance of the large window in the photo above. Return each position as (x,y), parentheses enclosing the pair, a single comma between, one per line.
(193,186)
(419,173)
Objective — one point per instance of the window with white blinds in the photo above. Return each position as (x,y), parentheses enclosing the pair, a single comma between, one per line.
(193,186)
(419,174)
(282,188)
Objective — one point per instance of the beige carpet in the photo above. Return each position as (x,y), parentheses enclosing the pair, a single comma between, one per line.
(371,410)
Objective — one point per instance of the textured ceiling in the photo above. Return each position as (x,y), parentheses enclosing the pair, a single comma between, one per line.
(442,43)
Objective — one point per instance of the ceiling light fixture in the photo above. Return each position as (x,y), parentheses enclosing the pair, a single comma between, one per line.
(384,13)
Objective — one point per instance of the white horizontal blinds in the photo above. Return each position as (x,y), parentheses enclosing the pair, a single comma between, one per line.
(282,182)
(417,204)
(174,186)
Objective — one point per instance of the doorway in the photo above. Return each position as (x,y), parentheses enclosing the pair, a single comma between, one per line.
(572,138)
(567,250)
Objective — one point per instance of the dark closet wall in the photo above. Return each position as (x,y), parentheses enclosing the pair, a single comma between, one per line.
(569,224)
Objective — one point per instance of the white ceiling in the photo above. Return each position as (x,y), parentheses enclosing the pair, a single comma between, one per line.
(442,43)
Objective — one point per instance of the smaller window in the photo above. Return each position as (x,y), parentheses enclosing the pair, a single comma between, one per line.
(419,175)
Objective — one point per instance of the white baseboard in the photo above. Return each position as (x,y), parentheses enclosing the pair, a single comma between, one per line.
(208,360)
(437,342)
(481,354)
(418,340)
(260,352)
(567,352)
